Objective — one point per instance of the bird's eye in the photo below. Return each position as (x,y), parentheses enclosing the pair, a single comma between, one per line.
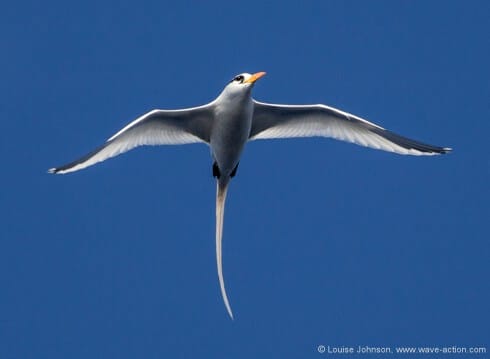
(239,78)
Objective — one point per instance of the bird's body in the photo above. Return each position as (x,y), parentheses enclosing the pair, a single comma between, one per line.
(235,118)
(233,112)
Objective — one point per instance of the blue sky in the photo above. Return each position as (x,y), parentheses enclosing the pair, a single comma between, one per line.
(324,242)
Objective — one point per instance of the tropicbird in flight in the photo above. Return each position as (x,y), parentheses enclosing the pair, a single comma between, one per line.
(229,122)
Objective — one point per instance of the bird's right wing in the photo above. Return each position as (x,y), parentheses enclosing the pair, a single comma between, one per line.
(286,121)
(157,127)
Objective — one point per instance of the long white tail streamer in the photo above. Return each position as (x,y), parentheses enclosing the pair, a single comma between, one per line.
(221,190)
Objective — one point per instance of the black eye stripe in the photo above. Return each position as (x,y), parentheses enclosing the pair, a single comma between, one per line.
(238,78)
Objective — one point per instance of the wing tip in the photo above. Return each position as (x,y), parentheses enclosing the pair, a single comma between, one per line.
(440,151)
(432,151)
(59,170)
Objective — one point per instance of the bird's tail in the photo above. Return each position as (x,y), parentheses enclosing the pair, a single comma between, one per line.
(221,189)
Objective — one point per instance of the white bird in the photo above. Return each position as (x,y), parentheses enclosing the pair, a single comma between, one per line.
(229,122)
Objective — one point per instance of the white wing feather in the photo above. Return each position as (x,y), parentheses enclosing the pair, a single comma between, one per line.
(287,121)
(157,127)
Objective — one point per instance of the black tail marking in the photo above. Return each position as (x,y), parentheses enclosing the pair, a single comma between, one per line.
(233,173)
(217,173)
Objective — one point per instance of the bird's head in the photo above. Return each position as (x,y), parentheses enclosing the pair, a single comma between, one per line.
(242,83)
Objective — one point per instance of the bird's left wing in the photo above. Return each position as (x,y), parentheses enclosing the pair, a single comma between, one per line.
(286,121)
(157,127)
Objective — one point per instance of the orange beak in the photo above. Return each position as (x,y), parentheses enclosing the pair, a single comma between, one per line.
(255,77)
